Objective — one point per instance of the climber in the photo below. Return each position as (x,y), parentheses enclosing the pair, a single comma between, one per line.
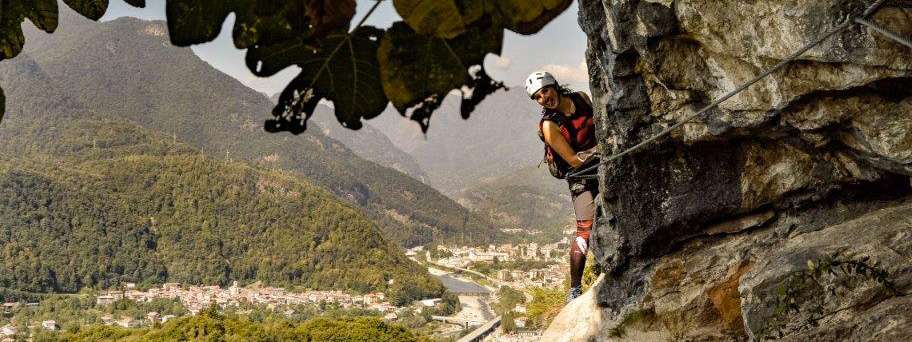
(567,128)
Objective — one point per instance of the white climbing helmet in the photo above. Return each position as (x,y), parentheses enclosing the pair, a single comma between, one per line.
(538,80)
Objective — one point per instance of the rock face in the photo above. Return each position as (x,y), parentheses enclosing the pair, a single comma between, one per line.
(783,213)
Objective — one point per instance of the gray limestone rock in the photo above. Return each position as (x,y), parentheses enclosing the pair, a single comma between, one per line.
(707,224)
(848,259)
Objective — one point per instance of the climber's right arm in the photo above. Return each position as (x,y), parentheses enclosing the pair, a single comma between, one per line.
(553,138)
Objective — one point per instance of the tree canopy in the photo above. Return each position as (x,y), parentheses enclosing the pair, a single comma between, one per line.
(440,46)
(210,325)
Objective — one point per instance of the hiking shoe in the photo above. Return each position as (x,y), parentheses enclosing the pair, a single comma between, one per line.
(574,292)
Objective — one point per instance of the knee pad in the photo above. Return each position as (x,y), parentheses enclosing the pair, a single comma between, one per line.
(583,227)
(582,245)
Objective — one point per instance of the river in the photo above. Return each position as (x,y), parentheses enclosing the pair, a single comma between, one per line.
(460,287)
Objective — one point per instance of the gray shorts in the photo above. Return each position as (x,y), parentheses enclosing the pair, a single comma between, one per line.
(582,194)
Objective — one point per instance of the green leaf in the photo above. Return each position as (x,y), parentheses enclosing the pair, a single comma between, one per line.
(346,72)
(528,17)
(276,37)
(269,23)
(290,106)
(43,13)
(418,70)
(92,9)
(480,85)
(440,18)
(351,76)
(475,44)
(136,3)
(195,22)
(450,18)
(2,104)
(329,15)
(415,66)
(11,37)
(267,60)
(472,47)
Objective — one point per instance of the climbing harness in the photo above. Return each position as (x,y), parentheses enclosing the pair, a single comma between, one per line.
(848,22)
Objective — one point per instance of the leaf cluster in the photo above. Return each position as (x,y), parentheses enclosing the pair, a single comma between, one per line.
(440,46)
(806,291)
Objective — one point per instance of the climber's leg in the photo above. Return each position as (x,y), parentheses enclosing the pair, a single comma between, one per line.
(584,207)
(578,251)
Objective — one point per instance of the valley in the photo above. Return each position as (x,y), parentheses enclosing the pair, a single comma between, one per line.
(140,192)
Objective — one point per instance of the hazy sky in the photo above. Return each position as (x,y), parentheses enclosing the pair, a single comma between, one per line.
(559,48)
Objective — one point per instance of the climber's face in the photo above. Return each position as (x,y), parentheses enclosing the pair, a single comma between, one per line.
(547,97)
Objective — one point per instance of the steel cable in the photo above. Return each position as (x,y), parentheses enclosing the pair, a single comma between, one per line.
(848,22)
(885,32)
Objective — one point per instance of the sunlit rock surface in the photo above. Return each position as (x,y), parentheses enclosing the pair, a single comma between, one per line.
(784,213)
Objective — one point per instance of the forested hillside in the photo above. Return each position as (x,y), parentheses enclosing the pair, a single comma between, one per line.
(96,203)
(528,199)
(171,91)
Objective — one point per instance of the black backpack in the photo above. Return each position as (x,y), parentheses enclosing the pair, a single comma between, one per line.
(558,167)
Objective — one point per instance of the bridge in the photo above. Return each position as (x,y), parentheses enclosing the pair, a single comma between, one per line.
(482,331)
(464,323)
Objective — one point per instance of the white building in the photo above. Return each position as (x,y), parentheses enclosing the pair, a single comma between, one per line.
(8,330)
(49,325)
(105,300)
(430,302)
(128,322)
(153,317)
(532,250)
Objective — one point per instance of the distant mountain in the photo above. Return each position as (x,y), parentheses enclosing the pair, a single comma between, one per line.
(85,201)
(125,70)
(499,138)
(528,200)
(368,142)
